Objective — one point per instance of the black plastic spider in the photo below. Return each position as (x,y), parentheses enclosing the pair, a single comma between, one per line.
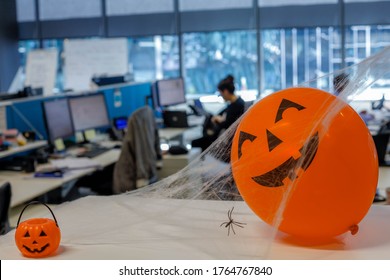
(231,222)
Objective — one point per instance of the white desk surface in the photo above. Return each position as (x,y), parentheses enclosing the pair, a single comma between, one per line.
(25,187)
(127,227)
(20,149)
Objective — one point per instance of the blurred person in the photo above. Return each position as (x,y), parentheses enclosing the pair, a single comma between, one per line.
(214,125)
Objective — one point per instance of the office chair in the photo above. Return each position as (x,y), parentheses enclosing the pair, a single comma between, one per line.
(137,163)
(5,201)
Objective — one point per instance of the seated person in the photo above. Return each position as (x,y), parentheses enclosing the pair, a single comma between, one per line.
(215,124)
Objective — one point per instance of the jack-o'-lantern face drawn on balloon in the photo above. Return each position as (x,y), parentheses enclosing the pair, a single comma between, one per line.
(293,151)
(275,177)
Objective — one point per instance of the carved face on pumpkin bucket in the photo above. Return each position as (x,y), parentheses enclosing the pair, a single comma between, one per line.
(37,238)
(293,152)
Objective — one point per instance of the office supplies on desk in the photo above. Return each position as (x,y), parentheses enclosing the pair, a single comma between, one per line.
(94,152)
(20,163)
(50,172)
(75,163)
(29,135)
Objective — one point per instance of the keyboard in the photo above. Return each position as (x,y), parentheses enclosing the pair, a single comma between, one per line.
(93,152)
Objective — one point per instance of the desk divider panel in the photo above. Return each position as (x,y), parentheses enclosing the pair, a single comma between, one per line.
(132,97)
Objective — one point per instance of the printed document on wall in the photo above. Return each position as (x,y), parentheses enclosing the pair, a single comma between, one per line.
(41,69)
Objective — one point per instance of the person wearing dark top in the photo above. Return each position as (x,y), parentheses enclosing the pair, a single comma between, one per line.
(214,125)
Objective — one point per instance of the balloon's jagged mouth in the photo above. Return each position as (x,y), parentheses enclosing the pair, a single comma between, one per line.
(275,177)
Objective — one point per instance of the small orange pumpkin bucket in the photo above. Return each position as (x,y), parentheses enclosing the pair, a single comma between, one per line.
(37,237)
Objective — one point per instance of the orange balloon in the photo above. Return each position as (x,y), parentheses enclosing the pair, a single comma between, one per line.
(304,161)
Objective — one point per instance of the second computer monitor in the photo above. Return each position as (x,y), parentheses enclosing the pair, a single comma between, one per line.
(89,112)
(170,92)
(58,119)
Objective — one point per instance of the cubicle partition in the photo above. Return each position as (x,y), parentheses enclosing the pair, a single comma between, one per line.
(122,100)
(27,115)
(128,100)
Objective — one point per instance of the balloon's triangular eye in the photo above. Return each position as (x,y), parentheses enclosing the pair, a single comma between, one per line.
(243,137)
(42,233)
(27,234)
(284,105)
(273,141)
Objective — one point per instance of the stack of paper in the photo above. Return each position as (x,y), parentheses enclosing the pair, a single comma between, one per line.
(75,163)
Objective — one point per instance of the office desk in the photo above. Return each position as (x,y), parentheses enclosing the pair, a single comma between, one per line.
(20,149)
(127,227)
(24,190)
(25,187)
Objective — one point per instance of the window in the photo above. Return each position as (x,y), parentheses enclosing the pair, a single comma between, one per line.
(154,57)
(209,57)
(292,56)
(150,58)
(365,40)
(288,56)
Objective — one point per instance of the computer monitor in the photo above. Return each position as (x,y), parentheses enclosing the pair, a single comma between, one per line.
(170,92)
(58,120)
(120,123)
(89,112)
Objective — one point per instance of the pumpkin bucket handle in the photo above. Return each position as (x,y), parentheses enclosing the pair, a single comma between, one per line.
(36,202)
